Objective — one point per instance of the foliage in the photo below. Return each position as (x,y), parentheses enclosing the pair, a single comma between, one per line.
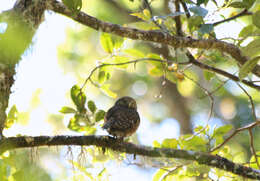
(107,66)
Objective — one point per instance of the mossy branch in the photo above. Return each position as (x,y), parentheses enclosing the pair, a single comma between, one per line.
(130,148)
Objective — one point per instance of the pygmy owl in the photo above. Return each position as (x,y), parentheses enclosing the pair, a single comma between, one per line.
(122,119)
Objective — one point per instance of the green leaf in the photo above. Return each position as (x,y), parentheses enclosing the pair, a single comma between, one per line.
(221,131)
(248,67)
(101,173)
(170,143)
(253,163)
(158,175)
(106,42)
(100,115)
(193,142)
(11,117)
(155,63)
(78,97)
(105,89)
(117,41)
(67,110)
(12,114)
(101,77)
(74,124)
(121,61)
(237,5)
(92,106)
(256,19)
(134,53)
(206,28)
(246,31)
(199,11)
(208,75)
(74,5)
(171,77)
(248,3)
(156,144)
(252,49)
(156,72)
(194,22)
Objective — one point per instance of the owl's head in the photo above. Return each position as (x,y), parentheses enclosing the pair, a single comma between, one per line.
(127,102)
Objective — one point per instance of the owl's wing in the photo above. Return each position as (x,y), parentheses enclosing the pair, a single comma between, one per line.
(123,119)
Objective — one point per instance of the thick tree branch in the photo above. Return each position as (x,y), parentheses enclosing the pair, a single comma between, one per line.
(154,36)
(111,143)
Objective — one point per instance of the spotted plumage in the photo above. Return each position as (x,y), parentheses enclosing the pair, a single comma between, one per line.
(122,119)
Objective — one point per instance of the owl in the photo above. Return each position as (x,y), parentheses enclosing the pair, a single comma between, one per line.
(122,119)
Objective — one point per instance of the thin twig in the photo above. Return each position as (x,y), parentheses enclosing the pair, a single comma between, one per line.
(242,13)
(251,102)
(215,90)
(172,171)
(221,72)
(250,129)
(147,4)
(118,64)
(252,147)
(208,94)
(249,126)
(185,8)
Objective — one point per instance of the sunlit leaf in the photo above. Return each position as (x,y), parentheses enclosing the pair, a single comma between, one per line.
(100,115)
(35,100)
(208,75)
(246,31)
(248,67)
(159,174)
(11,117)
(248,3)
(67,110)
(92,106)
(252,49)
(101,173)
(153,57)
(12,114)
(147,13)
(221,131)
(121,61)
(253,163)
(194,22)
(134,52)
(193,142)
(256,18)
(237,4)
(156,144)
(171,77)
(187,86)
(101,77)
(73,124)
(78,97)
(169,143)
(106,90)
(106,42)
(155,72)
